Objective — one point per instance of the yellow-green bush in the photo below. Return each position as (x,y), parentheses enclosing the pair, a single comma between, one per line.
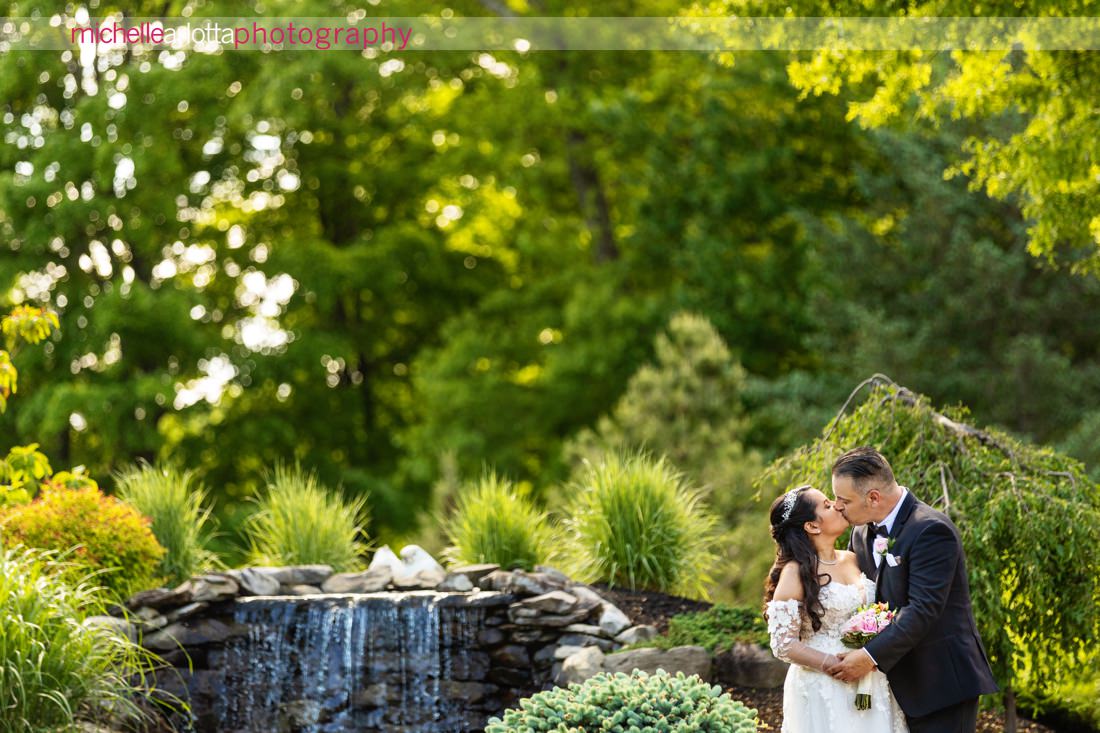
(634,521)
(495,522)
(103,534)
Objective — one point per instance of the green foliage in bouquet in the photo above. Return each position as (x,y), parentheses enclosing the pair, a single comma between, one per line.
(102,533)
(718,629)
(495,522)
(619,703)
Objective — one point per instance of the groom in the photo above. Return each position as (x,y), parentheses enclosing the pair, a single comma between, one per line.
(931,653)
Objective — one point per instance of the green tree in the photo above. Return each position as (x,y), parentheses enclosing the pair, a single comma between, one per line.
(933,285)
(1032,139)
(1029,519)
(686,406)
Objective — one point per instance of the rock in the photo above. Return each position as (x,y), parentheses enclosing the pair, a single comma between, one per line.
(299,590)
(468,692)
(490,637)
(298,574)
(511,655)
(637,633)
(499,580)
(587,596)
(557,601)
(687,659)
(423,580)
(368,581)
(257,582)
(154,623)
(612,620)
(299,714)
(749,665)
(145,613)
(456,582)
(580,666)
(554,574)
(534,584)
(120,626)
(185,612)
(159,598)
(475,572)
(563,652)
(532,617)
(582,640)
(589,629)
(203,631)
(546,653)
(211,587)
(532,636)
(377,695)
(385,558)
(509,677)
(416,559)
(489,599)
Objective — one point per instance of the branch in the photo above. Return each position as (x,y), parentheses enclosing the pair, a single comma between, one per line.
(874,379)
(499,8)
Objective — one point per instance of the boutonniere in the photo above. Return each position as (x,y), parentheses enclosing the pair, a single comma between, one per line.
(882,548)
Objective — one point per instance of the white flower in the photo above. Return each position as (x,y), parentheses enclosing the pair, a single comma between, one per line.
(881,545)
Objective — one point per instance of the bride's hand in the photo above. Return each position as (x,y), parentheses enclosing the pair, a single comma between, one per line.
(829,662)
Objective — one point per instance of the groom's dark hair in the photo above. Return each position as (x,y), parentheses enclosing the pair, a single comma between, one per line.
(866,467)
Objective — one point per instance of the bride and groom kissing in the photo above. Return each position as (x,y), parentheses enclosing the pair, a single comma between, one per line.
(925,670)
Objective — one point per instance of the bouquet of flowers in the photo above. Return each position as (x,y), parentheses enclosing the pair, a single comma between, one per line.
(865,625)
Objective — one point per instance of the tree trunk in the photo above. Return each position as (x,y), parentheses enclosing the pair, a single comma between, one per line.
(590,194)
(1010,710)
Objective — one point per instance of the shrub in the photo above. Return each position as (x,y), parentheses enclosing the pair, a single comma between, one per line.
(494,522)
(300,521)
(174,504)
(634,521)
(718,629)
(620,703)
(103,533)
(53,668)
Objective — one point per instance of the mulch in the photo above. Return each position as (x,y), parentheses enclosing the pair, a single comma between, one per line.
(655,609)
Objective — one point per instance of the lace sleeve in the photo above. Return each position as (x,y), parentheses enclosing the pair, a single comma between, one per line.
(784,626)
(785,629)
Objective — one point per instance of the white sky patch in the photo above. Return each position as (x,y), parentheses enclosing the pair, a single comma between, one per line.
(100,258)
(266,299)
(124,176)
(218,372)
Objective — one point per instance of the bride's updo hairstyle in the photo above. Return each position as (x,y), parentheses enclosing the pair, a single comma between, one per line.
(788,515)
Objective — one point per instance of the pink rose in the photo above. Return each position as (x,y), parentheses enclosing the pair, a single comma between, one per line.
(881,545)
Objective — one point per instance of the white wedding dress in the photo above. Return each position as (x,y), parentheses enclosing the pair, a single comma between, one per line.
(814,702)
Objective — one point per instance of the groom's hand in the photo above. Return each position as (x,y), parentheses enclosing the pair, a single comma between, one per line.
(852,666)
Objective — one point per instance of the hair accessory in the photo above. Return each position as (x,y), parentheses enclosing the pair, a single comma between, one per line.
(788,503)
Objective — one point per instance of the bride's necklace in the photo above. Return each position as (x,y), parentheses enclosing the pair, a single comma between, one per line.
(828,562)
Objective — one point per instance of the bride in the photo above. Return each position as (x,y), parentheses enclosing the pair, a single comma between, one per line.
(812,590)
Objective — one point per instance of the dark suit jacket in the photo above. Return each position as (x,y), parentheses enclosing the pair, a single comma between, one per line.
(931,653)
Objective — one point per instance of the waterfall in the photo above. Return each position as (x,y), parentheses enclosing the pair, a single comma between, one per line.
(337,664)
